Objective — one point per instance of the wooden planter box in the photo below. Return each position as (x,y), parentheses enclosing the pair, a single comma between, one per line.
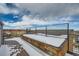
(51,50)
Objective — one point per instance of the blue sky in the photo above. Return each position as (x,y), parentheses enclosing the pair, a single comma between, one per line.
(24,15)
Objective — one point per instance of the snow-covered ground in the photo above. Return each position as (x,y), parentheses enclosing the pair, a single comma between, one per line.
(6,50)
(67,54)
(31,50)
(54,41)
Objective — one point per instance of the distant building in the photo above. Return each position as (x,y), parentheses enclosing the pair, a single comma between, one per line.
(13,32)
(1,33)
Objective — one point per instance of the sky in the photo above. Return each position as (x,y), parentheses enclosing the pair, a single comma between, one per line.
(25,15)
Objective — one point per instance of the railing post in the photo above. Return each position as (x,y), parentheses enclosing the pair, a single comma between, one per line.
(46,31)
(2,36)
(68,34)
(35,30)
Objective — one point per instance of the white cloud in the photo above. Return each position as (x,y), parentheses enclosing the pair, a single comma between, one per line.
(51,9)
(29,21)
(44,10)
(40,12)
(26,21)
(4,9)
(66,19)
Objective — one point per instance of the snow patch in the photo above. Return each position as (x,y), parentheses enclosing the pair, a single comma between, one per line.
(54,41)
(31,50)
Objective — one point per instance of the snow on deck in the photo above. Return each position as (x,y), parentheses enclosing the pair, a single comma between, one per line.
(67,54)
(54,41)
(4,50)
(30,49)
